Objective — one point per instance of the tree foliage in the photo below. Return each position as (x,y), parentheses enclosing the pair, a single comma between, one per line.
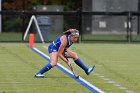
(28,4)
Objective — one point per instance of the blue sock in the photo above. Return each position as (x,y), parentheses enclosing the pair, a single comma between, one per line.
(45,68)
(81,64)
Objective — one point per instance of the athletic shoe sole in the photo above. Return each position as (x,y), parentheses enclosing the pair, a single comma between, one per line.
(39,76)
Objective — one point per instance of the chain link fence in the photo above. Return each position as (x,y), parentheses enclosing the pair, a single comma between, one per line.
(97,20)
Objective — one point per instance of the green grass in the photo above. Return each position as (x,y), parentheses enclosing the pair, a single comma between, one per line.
(118,62)
(11,36)
(14,36)
(110,37)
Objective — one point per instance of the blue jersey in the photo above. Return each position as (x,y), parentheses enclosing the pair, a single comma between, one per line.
(54,46)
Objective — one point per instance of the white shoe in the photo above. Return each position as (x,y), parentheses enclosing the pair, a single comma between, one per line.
(39,76)
(90,69)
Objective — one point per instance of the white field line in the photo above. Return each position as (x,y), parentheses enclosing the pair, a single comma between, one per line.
(114,83)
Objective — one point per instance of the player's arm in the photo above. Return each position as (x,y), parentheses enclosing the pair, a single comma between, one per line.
(62,47)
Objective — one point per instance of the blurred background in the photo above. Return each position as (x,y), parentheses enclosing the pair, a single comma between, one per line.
(97,20)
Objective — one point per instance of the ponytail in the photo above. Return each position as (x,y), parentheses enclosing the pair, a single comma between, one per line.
(67,32)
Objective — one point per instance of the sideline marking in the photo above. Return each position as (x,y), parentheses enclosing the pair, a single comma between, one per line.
(114,83)
(80,80)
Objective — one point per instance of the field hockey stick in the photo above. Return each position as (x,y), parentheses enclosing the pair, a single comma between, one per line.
(74,73)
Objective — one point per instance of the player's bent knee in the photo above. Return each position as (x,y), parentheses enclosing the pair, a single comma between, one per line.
(75,56)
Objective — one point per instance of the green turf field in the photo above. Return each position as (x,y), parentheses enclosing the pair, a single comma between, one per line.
(14,36)
(117,69)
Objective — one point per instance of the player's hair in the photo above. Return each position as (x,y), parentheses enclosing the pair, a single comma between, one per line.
(71,32)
